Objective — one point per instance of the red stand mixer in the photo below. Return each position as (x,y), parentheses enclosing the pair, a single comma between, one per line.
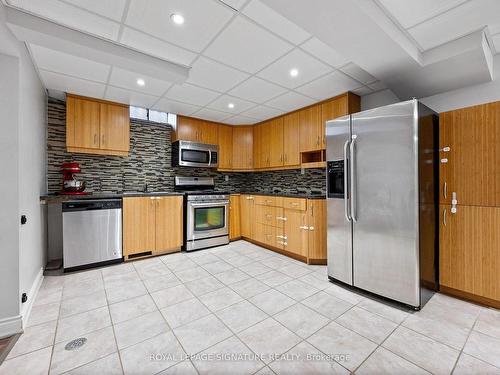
(70,185)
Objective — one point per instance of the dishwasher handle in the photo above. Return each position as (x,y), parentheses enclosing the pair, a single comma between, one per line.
(89,205)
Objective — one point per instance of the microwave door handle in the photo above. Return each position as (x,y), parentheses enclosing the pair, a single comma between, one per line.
(346,185)
(209,157)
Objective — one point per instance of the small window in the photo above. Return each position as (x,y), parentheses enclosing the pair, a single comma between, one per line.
(139,113)
(157,116)
(172,120)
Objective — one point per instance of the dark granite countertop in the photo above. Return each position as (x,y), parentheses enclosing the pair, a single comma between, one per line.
(58,198)
(288,194)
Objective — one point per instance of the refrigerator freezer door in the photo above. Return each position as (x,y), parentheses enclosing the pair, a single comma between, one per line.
(385,202)
(339,235)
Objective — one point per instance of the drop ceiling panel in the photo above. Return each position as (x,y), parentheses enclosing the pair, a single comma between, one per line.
(257,90)
(221,104)
(240,120)
(290,101)
(496,42)
(309,68)
(363,90)
(460,21)
(215,76)
(409,12)
(128,80)
(247,46)
(108,8)
(275,22)
(262,112)
(71,16)
(203,20)
(358,74)
(235,4)
(130,97)
(60,62)
(190,94)
(72,85)
(156,47)
(211,115)
(329,86)
(324,52)
(172,106)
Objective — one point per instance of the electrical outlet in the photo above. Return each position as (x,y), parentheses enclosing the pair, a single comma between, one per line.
(226,178)
(302,171)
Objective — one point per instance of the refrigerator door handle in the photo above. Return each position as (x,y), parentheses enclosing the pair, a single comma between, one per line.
(346,185)
(353,179)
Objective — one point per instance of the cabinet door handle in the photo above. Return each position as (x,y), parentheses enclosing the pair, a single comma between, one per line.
(304,227)
(445,190)
(282,243)
(102,139)
(281,218)
(282,237)
(444,217)
(95,138)
(317,141)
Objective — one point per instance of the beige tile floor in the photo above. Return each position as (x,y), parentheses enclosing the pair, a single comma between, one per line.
(241,309)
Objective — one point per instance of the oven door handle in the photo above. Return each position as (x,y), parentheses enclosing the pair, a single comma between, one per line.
(214,204)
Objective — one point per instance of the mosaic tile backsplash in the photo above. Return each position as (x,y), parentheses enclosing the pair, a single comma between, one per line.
(149,162)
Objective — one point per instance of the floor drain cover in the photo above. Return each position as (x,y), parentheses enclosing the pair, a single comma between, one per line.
(76,343)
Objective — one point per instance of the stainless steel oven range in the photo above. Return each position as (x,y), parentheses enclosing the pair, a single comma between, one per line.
(206,212)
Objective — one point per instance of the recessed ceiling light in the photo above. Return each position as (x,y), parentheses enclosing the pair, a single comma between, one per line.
(141,82)
(294,72)
(230,105)
(177,19)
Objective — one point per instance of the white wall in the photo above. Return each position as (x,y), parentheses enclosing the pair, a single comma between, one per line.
(23,170)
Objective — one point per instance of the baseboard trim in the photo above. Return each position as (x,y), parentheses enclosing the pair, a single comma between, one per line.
(26,307)
(11,326)
(276,250)
(470,297)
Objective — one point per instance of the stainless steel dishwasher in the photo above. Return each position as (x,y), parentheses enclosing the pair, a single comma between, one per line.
(92,233)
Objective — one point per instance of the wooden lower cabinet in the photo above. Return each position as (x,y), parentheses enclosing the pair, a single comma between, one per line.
(469,264)
(294,226)
(247,215)
(152,225)
(234,217)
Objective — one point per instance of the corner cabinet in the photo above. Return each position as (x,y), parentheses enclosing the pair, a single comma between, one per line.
(225,147)
(196,130)
(97,127)
(152,225)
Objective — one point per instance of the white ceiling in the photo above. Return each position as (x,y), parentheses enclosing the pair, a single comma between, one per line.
(239,51)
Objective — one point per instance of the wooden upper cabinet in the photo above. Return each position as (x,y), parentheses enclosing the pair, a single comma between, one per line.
(225,146)
(275,142)
(338,107)
(291,137)
(310,129)
(472,169)
(243,147)
(97,127)
(196,130)
(115,127)
(209,132)
(261,150)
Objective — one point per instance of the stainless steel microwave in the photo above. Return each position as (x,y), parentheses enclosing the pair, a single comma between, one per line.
(192,154)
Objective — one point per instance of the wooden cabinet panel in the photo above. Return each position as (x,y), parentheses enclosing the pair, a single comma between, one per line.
(265,234)
(316,216)
(83,123)
(188,129)
(258,156)
(266,200)
(470,250)
(243,147)
(234,217)
(310,129)
(247,215)
(291,147)
(138,225)
(296,232)
(208,133)
(225,146)
(473,167)
(169,223)
(269,215)
(262,145)
(275,134)
(295,203)
(115,127)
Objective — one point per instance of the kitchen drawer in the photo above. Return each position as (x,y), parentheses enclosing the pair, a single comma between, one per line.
(265,234)
(265,200)
(295,203)
(269,216)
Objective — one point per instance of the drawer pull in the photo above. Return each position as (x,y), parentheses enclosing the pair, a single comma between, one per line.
(282,237)
(268,201)
(304,227)
(282,243)
(294,203)
(281,218)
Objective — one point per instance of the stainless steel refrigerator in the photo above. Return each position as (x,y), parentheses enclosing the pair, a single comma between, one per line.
(382,175)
